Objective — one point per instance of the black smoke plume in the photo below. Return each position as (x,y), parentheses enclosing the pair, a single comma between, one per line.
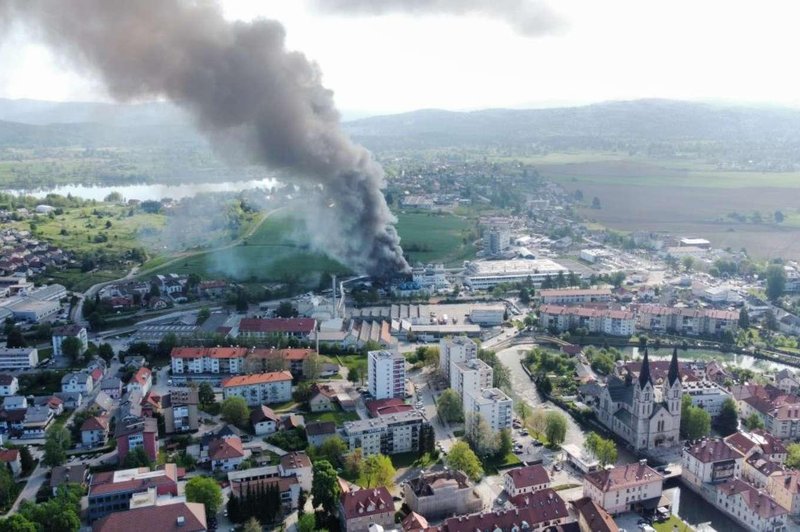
(247,92)
(530,18)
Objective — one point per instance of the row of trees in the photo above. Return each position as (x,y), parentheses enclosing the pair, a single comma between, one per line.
(262,502)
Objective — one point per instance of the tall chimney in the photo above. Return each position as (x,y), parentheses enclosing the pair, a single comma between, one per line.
(334,295)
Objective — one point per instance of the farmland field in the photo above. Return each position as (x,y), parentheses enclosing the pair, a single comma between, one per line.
(429,237)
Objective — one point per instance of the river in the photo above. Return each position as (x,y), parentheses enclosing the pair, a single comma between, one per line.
(148,191)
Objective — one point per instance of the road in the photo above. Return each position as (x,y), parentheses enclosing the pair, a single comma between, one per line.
(443,432)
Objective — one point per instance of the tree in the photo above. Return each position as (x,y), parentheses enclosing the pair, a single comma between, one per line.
(728,420)
(325,487)
(793,455)
(605,450)
(252,525)
(307,523)
(285,310)
(524,296)
(353,375)
(462,458)
(688,263)
(235,410)
(26,459)
(72,346)
(204,490)
(753,422)
(523,410)
(105,351)
(155,291)
(555,428)
(333,449)
(205,394)
(744,319)
(480,436)
(697,423)
(15,339)
(17,523)
(504,443)
(203,315)
(770,320)
(449,406)
(776,281)
(137,458)
(55,446)
(377,471)
(353,462)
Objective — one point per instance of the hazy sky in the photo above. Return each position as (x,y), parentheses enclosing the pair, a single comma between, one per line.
(721,50)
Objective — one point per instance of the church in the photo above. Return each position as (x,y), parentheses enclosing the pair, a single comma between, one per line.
(643,413)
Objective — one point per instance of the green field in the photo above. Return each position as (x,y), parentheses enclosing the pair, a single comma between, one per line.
(429,237)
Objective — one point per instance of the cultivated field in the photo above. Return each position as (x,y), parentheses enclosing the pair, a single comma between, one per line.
(428,237)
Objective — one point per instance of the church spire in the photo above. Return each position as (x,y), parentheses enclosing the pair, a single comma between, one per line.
(673,374)
(644,373)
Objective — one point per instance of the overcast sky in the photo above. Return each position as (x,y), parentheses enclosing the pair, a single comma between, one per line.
(605,50)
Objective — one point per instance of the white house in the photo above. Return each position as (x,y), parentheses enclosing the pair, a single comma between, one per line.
(623,487)
(69,331)
(141,381)
(264,420)
(77,382)
(709,462)
(94,431)
(9,385)
(526,479)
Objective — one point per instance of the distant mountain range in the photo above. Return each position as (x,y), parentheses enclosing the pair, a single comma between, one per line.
(32,122)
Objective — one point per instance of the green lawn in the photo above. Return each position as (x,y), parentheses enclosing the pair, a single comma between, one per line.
(673,521)
(403,460)
(492,466)
(337,416)
(430,237)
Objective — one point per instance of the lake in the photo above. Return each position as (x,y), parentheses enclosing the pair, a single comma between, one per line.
(150,191)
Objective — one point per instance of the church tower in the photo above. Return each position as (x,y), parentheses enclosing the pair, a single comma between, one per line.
(673,388)
(643,400)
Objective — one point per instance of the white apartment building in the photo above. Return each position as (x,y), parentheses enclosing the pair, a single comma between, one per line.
(387,374)
(707,395)
(613,322)
(62,333)
(710,462)
(622,488)
(391,434)
(18,358)
(470,377)
(260,388)
(215,360)
(493,405)
(453,350)
(751,507)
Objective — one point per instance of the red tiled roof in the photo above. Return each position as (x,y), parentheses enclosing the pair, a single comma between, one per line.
(141,376)
(95,423)
(97,374)
(756,500)
(257,378)
(366,502)
(163,518)
(741,442)
(263,413)
(414,521)
(623,476)
(6,379)
(226,448)
(595,516)
(715,450)
(382,407)
(295,460)
(525,477)
(9,455)
(277,325)
(535,508)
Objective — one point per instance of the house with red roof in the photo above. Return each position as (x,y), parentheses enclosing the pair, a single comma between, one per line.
(94,431)
(528,479)
(137,432)
(592,517)
(539,510)
(141,381)
(752,508)
(10,458)
(260,388)
(226,454)
(625,487)
(264,420)
(175,517)
(111,491)
(96,375)
(362,508)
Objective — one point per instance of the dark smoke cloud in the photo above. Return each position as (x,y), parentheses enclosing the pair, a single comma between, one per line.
(247,92)
(531,18)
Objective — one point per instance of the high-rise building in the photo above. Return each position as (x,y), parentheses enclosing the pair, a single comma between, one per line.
(494,406)
(387,374)
(470,377)
(453,350)
(496,239)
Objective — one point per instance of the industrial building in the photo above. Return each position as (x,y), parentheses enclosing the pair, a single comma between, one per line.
(482,275)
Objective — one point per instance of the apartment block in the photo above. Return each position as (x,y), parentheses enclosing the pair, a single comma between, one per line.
(387,374)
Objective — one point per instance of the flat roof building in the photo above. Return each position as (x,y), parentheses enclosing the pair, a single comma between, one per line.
(482,275)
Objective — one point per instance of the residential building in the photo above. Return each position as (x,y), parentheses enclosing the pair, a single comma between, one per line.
(297,464)
(112,387)
(15,402)
(751,508)
(454,350)
(527,479)
(180,410)
(359,510)
(264,420)
(141,381)
(596,320)
(539,511)
(255,478)
(177,516)
(77,382)
(496,240)
(574,296)
(385,407)
(758,470)
(623,488)
(787,381)
(9,385)
(300,328)
(295,360)
(226,454)
(592,517)
(687,321)
(642,413)
(710,461)
(758,441)
(785,489)
(10,459)
(111,491)
(493,405)
(94,431)
(319,431)
(707,395)
(260,388)
(137,432)
(323,398)
(440,494)
(37,420)
(392,434)
(470,377)
(69,474)
(18,359)
(69,331)
(387,374)
(206,364)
